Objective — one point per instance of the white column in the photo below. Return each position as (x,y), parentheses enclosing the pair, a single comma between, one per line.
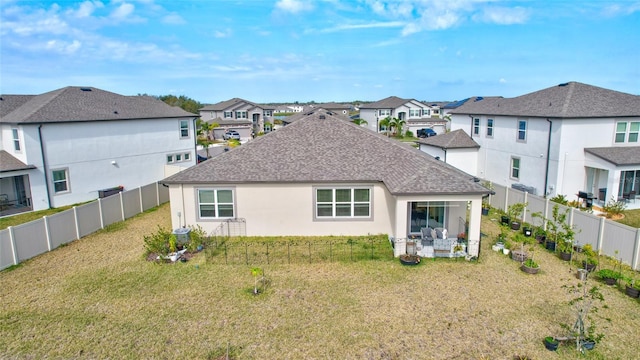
(475,218)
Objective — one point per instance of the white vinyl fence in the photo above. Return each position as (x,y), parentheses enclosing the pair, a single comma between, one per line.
(24,241)
(604,235)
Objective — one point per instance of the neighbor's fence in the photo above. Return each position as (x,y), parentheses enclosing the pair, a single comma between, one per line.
(297,252)
(604,235)
(24,241)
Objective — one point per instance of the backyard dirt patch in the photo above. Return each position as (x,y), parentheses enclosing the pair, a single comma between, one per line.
(99,298)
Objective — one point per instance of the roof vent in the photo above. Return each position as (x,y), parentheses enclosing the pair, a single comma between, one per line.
(564,84)
(115,112)
(85,89)
(322,117)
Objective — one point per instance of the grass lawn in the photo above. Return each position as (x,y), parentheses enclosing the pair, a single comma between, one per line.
(631,218)
(98,298)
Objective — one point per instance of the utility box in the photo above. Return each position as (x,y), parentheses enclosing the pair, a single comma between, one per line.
(183,235)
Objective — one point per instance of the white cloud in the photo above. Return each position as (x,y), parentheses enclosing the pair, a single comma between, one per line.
(503,15)
(617,9)
(346,27)
(294,6)
(63,47)
(222,33)
(122,12)
(173,18)
(86,9)
(502,81)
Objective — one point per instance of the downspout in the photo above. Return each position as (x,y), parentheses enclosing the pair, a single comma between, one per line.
(471,130)
(195,139)
(546,173)
(44,166)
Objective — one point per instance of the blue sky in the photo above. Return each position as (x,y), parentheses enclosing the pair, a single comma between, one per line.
(321,50)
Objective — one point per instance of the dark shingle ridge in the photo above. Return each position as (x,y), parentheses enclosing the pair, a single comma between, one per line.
(456,139)
(74,103)
(618,155)
(322,148)
(391,102)
(568,100)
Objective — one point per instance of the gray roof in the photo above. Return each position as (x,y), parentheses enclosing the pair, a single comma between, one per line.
(568,100)
(9,163)
(391,102)
(234,103)
(72,103)
(301,115)
(457,139)
(8,103)
(619,155)
(322,148)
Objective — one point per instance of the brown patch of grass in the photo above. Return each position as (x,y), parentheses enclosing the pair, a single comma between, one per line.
(98,298)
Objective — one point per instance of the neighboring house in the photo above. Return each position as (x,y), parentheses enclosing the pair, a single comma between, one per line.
(237,114)
(288,108)
(323,176)
(295,117)
(561,140)
(64,146)
(333,107)
(416,114)
(455,148)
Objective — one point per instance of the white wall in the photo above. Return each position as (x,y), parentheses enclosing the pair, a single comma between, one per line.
(139,149)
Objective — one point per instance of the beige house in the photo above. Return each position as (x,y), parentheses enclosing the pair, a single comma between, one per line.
(322,175)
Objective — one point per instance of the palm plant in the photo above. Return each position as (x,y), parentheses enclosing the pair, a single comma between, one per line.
(360,121)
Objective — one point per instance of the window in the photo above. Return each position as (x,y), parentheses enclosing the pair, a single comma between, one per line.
(228,114)
(476,126)
(522,130)
(415,113)
(427,112)
(384,112)
(436,111)
(178,157)
(215,203)
(184,128)
(187,156)
(267,113)
(515,168)
(60,181)
(16,139)
(343,203)
(169,158)
(489,127)
(241,114)
(627,131)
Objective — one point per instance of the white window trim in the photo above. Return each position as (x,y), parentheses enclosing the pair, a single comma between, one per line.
(491,128)
(66,181)
(183,128)
(227,114)
(173,158)
(526,129)
(242,114)
(627,132)
(215,203)
(476,126)
(15,136)
(333,203)
(511,168)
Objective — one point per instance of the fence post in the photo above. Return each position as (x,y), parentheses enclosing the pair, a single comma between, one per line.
(636,252)
(121,205)
(75,218)
(546,214)
(141,206)
(600,235)
(101,214)
(46,231)
(524,211)
(157,193)
(14,249)
(506,198)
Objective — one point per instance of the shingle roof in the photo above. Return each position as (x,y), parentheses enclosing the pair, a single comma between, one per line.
(322,148)
(569,100)
(391,102)
(8,103)
(9,163)
(233,104)
(301,115)
(73,103)
(457,139)
(619,155)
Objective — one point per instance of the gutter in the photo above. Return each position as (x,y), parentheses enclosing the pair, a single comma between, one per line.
(471,130)
(546,173)
(44,165)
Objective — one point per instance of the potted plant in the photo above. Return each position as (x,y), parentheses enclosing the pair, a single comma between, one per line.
(584,305)
(591,260)
(632,289)
(530,266)
(551,343)
(609,276)
(514,211)
(519,254)
(565,249)
(541,235)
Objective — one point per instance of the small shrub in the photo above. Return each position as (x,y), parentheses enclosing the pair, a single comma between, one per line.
(614,208)
(560,199)
(158,242)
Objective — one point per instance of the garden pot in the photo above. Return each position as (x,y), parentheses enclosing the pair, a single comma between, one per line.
(550,245)
(515,225)
(588,344)
(485,211)
(551,344)
(541,239)
(609,281)
(582,274)
(529,270)
(632,292)
(505,220)
(566,256)
(495,248)
(409,259)
(505,251)
(527,231)
(519,255)
(588,267)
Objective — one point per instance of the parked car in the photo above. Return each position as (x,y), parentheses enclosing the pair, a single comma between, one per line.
(231,134)
(426,132)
